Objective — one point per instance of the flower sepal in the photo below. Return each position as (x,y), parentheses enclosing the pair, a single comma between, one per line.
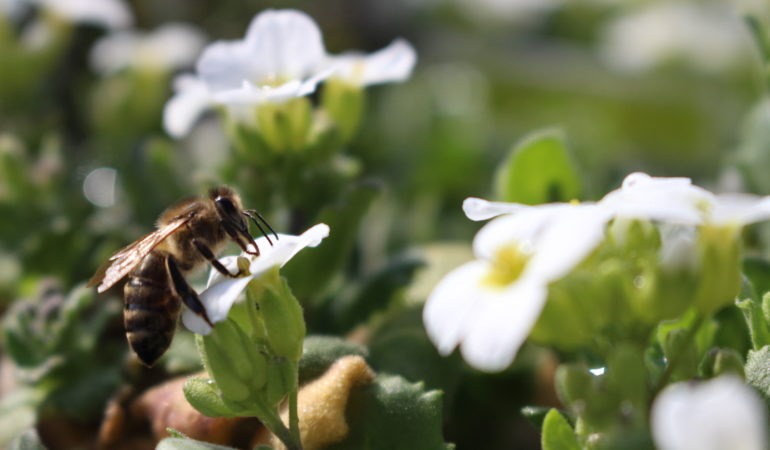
(344,102)
(719,249)
(285,126)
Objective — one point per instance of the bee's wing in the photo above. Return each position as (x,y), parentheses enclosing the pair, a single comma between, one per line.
(125,260)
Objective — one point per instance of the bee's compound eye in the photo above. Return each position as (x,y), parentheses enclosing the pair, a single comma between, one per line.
(225,205)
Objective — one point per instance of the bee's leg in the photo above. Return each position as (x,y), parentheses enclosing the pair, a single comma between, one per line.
(209,255)
(184,291)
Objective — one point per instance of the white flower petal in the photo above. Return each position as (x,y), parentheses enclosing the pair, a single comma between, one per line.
(478,209)
(393,63)
(673,200)
(521,228)
(449,306)
(106,13)
(284,44)
(225,65)
(191,99)
(499,326)
(171,46)
(739,209)
(720,414)
(567,241)
(222,292)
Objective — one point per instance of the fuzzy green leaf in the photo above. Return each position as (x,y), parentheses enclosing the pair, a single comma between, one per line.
(757,373)
(557,433)
(203,395)
(29,440)
(538,170)
(320,352)
(392,413)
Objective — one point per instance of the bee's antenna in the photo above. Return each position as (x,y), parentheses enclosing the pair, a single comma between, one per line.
(254,215)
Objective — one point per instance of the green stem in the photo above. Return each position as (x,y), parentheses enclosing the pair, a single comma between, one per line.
(293,417)
(270,418)
(676,356)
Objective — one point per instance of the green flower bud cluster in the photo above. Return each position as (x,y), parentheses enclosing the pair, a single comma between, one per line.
(252,358)
(636,279)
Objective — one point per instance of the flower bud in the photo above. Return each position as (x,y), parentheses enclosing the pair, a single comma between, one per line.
(283,318)
(285,126)
(232,361)
(344,102)
(720,264)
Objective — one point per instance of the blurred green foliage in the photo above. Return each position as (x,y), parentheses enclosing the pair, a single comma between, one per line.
(388,181)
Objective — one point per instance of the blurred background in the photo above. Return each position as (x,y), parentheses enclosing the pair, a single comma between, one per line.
(668,87)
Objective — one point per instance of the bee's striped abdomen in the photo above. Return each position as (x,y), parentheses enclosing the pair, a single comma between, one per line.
(151,308)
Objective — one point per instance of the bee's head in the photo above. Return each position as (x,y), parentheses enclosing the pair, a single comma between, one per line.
(228,205)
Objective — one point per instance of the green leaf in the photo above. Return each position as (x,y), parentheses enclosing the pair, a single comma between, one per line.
(751,306)
(538,170)
(557,433)
(188,444)
(29,440)
(311,270)
(399,344)
(203,395)
(18,413)
(757,374)
(392,413)
(320,352)
(373,293)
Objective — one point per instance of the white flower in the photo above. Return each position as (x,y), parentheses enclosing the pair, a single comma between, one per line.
(489,306)
(393,63)
(719,414)
(171,46)
(282,56)
(678,201)
(221,291)
(105,13)
(707,35)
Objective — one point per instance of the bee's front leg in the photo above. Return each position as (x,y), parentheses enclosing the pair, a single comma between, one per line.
(204,250)
(185,291)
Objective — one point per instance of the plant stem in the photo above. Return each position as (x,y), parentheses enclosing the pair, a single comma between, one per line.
(293,415)
(273,422)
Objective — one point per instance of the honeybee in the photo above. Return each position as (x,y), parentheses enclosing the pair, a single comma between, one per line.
(188,234)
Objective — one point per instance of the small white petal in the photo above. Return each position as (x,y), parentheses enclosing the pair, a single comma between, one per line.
(678,248)
(498,327)
(181,112)
(450,304)
(739,209)
(673,200)
(393,63)
(720,414)
(222,292)
(478,209)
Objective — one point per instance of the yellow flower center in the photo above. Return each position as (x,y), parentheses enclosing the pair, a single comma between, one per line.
(507,265)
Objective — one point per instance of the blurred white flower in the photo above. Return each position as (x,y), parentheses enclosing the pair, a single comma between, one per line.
(171,46)
(393,63)
(719,414)
(105,13)
(678,201)
(708,36)
(222,292)
(488,306)
(282,56)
